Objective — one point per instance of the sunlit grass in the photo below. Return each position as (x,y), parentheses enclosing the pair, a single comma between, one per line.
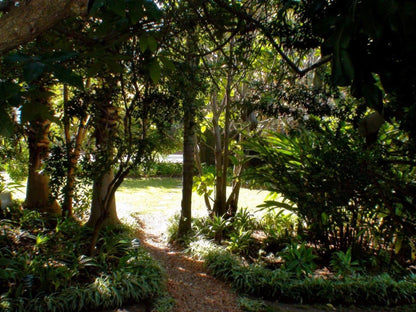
(163,196)
(159,196)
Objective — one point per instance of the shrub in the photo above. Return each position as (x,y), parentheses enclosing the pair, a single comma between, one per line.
(345,193)
(343,264)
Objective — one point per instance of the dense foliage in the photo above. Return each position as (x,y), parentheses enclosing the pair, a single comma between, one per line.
(44,266)
(314,100)
(282,284)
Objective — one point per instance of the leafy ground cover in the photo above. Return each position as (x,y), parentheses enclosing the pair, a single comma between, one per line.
(44,266)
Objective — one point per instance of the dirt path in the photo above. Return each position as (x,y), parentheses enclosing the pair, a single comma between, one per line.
(188,282)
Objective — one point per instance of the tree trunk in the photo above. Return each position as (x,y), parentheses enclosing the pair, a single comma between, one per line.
(220,194)
(29,19)
(185,221)
(38,193)
(72,154)
(103,207)
(101,187)
(232,202)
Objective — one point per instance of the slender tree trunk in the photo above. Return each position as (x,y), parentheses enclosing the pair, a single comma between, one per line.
(188,171)
(220,192)
(201,173)
(73,152)
(38,193)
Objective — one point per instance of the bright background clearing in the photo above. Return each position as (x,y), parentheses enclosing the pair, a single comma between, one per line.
(162,196)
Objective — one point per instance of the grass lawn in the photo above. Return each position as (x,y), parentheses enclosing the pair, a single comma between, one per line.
(163,196)
(141,196)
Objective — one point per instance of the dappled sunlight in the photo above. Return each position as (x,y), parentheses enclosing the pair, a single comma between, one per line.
(188,281)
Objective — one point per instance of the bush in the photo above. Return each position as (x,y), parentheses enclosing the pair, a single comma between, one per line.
(158,169)
(344,193)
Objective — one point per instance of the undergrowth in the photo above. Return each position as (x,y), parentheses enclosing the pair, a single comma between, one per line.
(44,266)
(285,286)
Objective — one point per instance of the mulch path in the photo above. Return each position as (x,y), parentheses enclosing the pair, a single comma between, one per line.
(187,280)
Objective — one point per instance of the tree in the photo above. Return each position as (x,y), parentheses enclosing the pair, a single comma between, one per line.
(38,194)
(24,22)
(228,64)
(372,50)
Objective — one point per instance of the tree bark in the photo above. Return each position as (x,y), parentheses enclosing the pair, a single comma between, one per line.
(29,19)
(101,188)
(103,206)
(220,193)
(38,190)
(188,171)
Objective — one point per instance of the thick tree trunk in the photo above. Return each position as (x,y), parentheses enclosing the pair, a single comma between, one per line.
(30,19)
(99,212)
(38,194)
(103,207)
(188,172)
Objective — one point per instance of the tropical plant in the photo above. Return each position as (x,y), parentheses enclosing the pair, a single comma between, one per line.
(299,259)
(45,268)
(325,175)
(216,226)
(240,241)
(343,264)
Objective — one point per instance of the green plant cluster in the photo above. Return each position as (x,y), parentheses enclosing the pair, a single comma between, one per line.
(158,169)
(282,285)
(44,266)
(345,193)
(235,233)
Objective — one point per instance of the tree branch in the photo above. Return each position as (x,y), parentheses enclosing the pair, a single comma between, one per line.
(30,19)
(260,26)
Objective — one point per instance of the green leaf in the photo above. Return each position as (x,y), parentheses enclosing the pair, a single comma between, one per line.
(118,7)
(324,218)
(135,12)
(9,90)
(6,125)
(33,70)
(31,111)
(167,62)
(154,71)
(67,76)
(152,43)
(143,43)
(152,10)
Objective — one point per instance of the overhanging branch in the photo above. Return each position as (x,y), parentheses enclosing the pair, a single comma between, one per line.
(30,19)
